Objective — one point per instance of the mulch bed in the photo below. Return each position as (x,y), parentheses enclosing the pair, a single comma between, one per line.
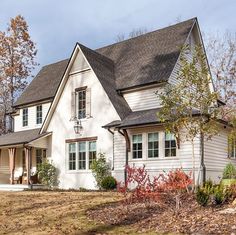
(161,218)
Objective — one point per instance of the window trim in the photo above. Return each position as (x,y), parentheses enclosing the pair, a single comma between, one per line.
(170,146)
(136,159)
(38,123)
(158,157)
(77,141)
(77,91)
(27,117)
(233,150)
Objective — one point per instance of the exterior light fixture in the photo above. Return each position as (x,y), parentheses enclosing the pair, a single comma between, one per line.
(78,127)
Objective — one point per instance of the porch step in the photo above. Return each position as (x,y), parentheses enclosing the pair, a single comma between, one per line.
(13,187)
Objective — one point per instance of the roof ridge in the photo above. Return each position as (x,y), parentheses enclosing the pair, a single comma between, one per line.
(142,35)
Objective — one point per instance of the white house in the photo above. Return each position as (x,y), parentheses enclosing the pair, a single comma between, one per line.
(108,96)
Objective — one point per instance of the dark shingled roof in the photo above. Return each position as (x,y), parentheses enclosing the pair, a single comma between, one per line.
(44,85)
(146,59)
(20,137)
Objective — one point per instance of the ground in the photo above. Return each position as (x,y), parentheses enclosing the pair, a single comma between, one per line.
(102,213)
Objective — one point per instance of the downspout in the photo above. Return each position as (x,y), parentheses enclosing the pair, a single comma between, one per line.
(127,141)
(203,166)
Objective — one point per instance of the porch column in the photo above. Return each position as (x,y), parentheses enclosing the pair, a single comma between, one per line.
(12,156)
(28,163)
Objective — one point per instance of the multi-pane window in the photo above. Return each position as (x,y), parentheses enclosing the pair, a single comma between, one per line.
(39,114)
(39,156)
(137,146)
(82,156)
(153,145)
(232,147)
(170,145)
(81,104)
(92,152)
(72,156)
(25,117)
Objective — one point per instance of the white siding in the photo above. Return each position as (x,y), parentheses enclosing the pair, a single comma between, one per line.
(216,155)
(143,99)
(155,166)
(31,118)
(102,112)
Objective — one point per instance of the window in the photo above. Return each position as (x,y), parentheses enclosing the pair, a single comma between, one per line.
(82,156)
(170,145)
(72,156)
(232,148)
(137,146)
(92,152)
(81,103)
(39,157)
(39,114)
(153,145)
(25,117)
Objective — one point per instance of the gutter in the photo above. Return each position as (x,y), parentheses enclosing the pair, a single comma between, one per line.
(202,163)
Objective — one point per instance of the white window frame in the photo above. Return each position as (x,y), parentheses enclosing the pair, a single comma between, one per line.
(40,112)
(25,115)
(232,152)
(170,148)
(77,101)
(135,159)
(87,169)
(152,158)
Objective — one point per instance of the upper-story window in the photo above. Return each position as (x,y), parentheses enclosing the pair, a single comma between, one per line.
(25,117)
(81,103)
(232,147)
(170,145)
(39,114)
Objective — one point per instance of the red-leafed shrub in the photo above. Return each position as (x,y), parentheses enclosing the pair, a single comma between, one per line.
(164,187)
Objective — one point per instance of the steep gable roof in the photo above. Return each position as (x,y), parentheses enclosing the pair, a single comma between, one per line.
(146,59)
(44,85)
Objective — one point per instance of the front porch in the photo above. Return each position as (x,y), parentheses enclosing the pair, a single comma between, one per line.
(20,154)
(18,165)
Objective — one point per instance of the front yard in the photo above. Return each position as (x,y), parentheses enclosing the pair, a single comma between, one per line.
(101,213)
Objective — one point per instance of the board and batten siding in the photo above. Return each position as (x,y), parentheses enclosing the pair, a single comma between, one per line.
(216,155)
(18,124)
(143,99)
(157,165)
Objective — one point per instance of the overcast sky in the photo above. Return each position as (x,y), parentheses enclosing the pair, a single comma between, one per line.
(56,25)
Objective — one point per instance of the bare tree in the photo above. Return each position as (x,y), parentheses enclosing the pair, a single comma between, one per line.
(134,33)
(17,60)
(221,51)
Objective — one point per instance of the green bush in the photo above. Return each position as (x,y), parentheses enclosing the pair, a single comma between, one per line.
(219,195)
(229,171)
(202,196)
(100,169)
(47,174)
(108,183)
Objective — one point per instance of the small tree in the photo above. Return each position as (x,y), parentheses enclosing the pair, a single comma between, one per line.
(47,174)
(189,107)
(100,169)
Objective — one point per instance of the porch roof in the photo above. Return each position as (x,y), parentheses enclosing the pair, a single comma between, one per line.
(20,137)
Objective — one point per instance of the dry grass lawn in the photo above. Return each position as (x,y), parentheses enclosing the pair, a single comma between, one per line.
(54,213)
